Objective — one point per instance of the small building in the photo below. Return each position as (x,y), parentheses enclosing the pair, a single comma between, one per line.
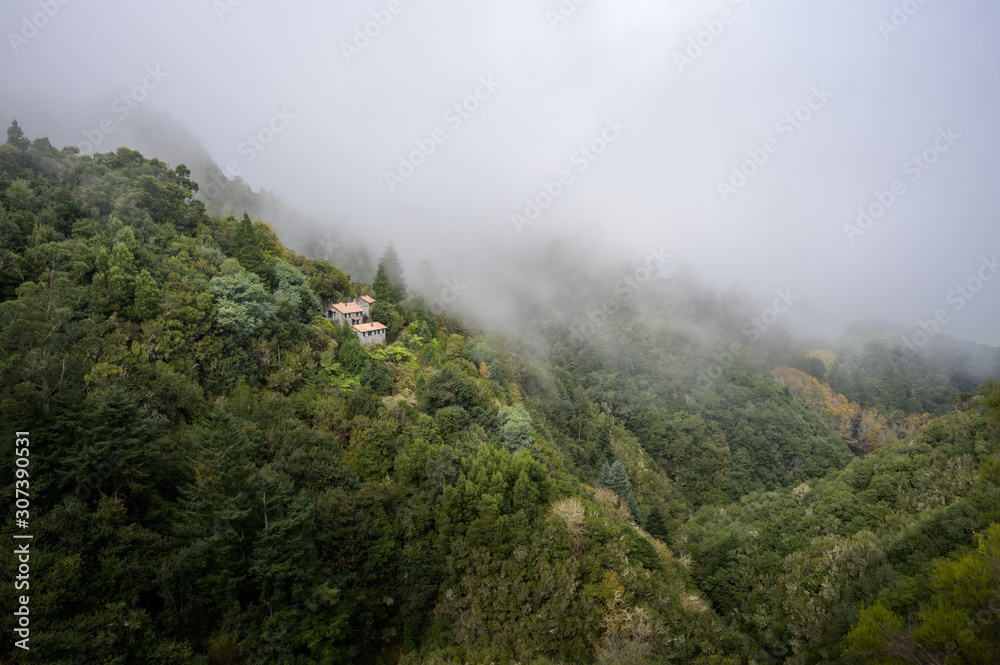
(365,303)
(370,333)
(346,312)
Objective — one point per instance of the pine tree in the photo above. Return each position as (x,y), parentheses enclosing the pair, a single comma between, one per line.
(656,523)
(246,248)
(604,477)
(618,480)
(633,506)
(389,285)
(16,137)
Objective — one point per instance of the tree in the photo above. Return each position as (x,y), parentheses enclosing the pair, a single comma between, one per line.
(353,358)
(292,288)
(246,248)
(618,480)
(113,289)
(389,284)
(633,507)
(242,303)
(387,315)
(16,137)
(146,304)
(958,625)
(656,524)
(604,477)
(516,428)
(991,397)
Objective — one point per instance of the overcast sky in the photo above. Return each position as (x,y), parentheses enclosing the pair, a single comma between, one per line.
(741,136)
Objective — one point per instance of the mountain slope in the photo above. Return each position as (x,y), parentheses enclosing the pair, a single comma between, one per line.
(221,475)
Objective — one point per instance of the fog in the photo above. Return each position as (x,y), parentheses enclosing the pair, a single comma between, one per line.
(739,137)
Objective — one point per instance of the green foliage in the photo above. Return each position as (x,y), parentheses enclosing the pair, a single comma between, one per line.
(292,289)
(16,137)
(394,352)
(146,298)
(959,624)
(656,524)
(113,289)
(246,246)
(991,397)
(618,480)
(221,475)
(876,629)
(353,357)
(363,402)
(389,284)
(242,304)
(515,427)
(480,353)
(451,386)
(388,315)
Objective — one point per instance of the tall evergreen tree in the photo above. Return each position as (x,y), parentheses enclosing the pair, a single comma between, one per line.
(16,137)
(633,506)
(604,477)
(618,480)
(656,523)
(389,284)
(246,248)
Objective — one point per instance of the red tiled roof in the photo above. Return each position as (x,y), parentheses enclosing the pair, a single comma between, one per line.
(369,327)
(367,299)
(347,308)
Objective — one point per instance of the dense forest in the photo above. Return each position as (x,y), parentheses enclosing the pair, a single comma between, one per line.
(220,475)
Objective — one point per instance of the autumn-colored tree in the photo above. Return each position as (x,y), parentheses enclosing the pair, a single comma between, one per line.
(865,430)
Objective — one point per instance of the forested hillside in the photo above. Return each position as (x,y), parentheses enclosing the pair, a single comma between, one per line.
(219,474)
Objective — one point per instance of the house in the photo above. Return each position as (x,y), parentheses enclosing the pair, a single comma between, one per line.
(365,303)
(370,333)
(356,314)
(346,312)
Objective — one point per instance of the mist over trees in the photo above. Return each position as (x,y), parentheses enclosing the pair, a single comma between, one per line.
(389,284)
(222,474)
